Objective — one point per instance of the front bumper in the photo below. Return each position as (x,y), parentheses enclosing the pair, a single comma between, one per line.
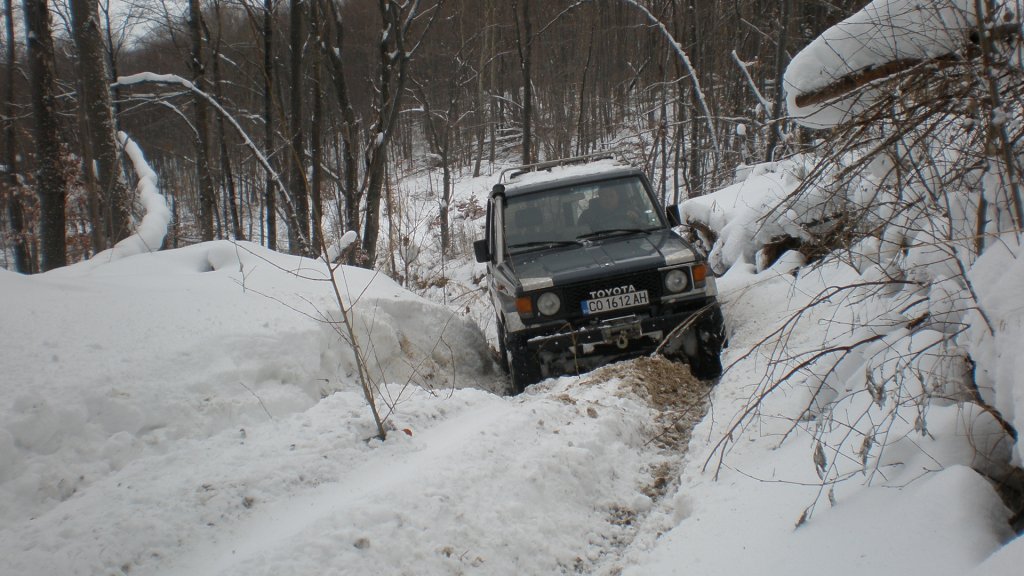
(640,329)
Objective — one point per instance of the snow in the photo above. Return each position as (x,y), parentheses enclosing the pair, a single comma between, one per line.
(926,519)
(982,300)
(883,31)
(998,276)
(565,171)
(187,419)
(182,412)
(149,234)
(930,447)
(745,520)
(738,212)
(150,77)
(338,248)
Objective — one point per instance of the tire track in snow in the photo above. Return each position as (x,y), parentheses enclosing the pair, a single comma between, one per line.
(276,523)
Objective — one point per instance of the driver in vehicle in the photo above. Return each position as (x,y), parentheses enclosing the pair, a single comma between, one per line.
(606,211)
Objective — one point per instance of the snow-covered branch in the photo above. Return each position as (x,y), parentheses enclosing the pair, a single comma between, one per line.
(687,66)
(150,232)
(173,79)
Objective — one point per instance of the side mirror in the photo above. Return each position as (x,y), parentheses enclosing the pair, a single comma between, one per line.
(674,218)
(481,251)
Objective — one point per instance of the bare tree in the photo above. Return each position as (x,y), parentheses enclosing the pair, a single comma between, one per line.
(197,65)
(268,117)
(524,48)
(316,132)
(227,175)
(297,183)
(395,49)
(775,134)
(98,139)
(398,41)
(264,20)
(51,171)
(333,49)
(609,69)
(23,261)
(440,125)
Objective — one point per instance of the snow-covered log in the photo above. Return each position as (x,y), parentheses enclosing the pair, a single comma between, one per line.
(829,80)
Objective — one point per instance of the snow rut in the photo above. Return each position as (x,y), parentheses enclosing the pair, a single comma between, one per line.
(675,401)
(558,480)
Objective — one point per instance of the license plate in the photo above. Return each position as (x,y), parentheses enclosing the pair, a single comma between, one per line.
(616,302)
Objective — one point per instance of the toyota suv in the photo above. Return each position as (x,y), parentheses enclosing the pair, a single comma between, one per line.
(584,268)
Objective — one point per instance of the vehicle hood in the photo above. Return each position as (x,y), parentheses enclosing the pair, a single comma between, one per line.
(600,258)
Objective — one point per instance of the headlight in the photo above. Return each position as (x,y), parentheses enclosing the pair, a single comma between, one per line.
(675,280)
(548,303)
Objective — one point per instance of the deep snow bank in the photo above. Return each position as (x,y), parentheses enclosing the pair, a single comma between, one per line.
(110,361)
(999,277)
(771,506)
(858,373)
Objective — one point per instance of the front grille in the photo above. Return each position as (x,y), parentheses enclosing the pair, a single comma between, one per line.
(650,281)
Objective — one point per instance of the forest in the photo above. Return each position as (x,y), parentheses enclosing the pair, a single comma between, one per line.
(289,123)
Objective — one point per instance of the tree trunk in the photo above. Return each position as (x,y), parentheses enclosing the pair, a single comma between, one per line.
(297,174)
(376,147)
(524,44)
(225,160)
(775,134)
(15,209)
(315,136)
(394,61)
(478,95)
(438,132)
(694,175)
(581,125)
(371,224)
(111,55)
(350,125)
(98,131)
(51,174)
(97,235)
(270,191)
(446,200)
(207,194)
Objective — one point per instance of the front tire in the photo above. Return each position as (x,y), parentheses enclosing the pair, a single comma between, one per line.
(502,348)
(706,362)
(523,364)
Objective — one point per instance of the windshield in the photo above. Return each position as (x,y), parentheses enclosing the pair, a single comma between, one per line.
(567,215)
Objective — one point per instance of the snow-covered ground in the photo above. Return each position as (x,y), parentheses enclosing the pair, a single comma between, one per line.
(185,412)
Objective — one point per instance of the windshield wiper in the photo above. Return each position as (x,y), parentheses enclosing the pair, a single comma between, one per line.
(546,243)
(612,232)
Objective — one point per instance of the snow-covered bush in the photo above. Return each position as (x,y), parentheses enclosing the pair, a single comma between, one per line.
(916,197)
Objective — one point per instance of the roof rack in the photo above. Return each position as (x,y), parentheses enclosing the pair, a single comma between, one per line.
(537,166)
